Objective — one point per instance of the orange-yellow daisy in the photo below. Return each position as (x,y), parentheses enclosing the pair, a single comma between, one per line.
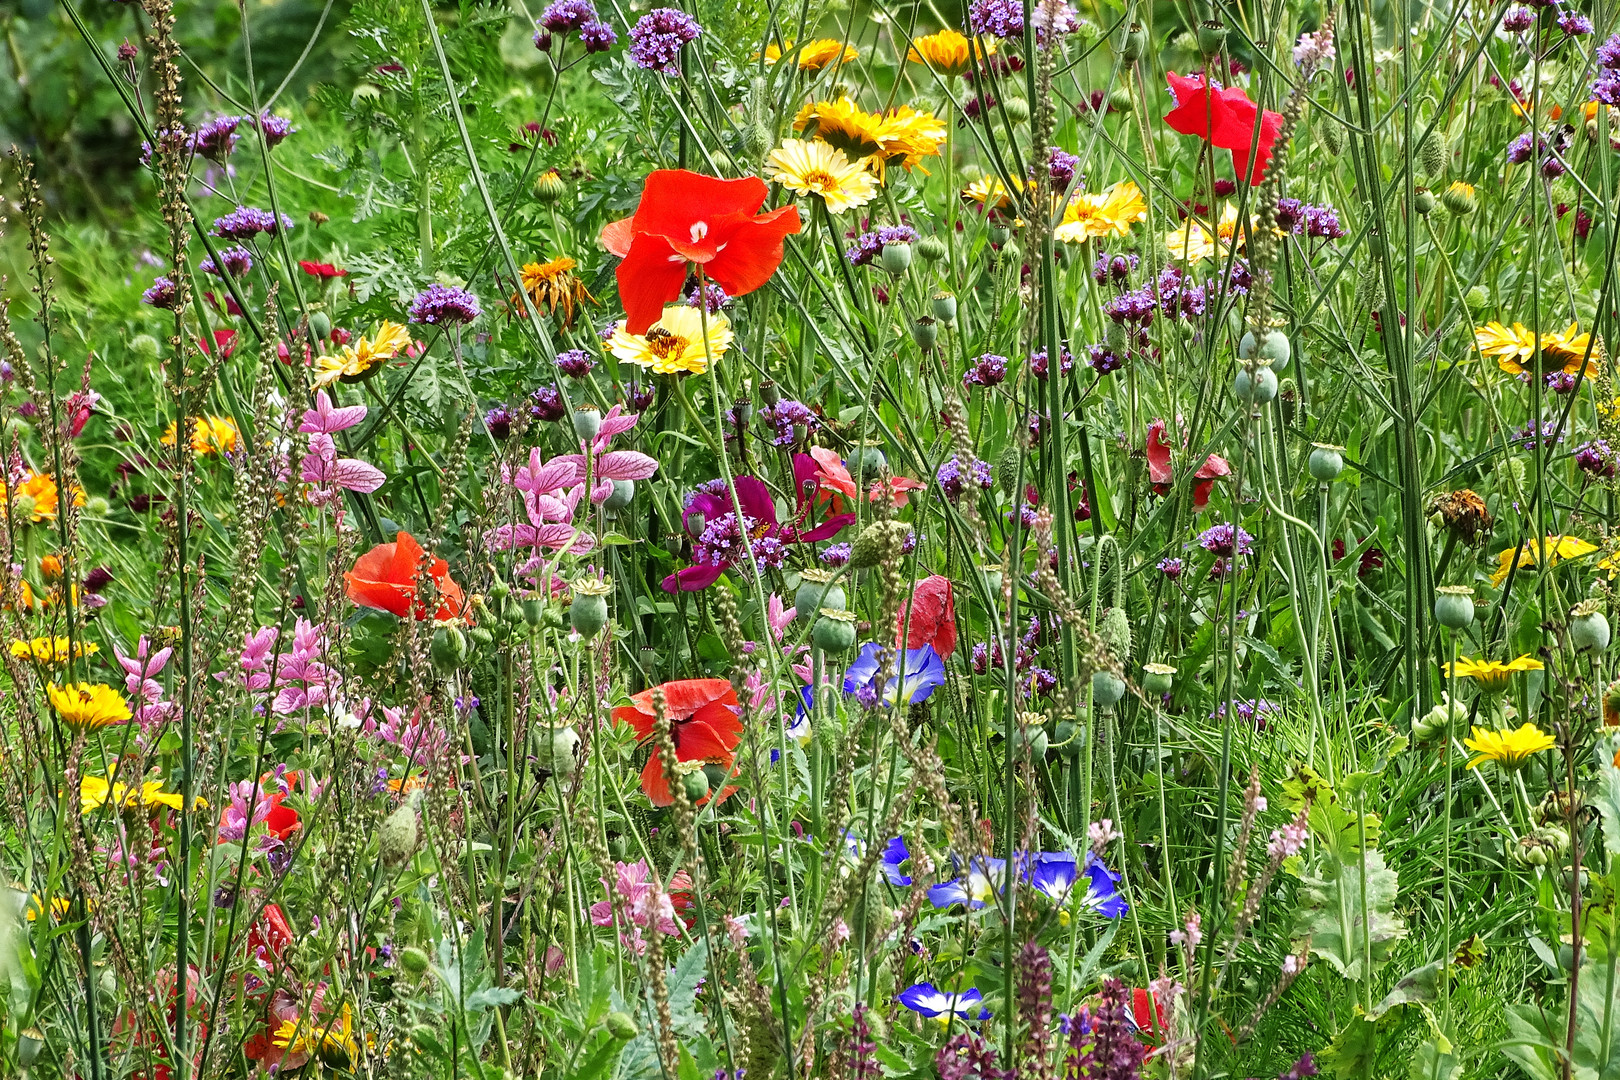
(1096,214)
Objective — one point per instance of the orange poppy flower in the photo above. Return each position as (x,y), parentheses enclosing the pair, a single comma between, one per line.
(703,721)
(833,482)
(384,578)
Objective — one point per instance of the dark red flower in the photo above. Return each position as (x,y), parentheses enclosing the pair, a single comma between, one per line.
(703,722)
(685,217)
(1225,118)
(1159,471)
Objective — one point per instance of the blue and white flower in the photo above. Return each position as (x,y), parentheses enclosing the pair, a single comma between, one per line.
(924,999)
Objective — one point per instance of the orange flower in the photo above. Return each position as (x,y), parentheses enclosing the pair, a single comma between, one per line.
(703,722)
(36,497)
(384,578)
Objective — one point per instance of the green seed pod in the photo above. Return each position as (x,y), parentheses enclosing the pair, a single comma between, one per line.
(97,506)
(1211,36)
(925,332)
(1069,739)
(1258,388)
(320,325)
(1132,42)
(620,1026)
(1115,629)
(932,249)
(144,346)
(1007,470)
(587,422)
(816,591)
(869,461)
(533,609)
(396,839)
(878,542)
(1433,153)
(757,140)
(30,1041)
(448,649)
(895,258)
(413,960)
(1454,606)
(1331,136)
(999,234)
(623,492)
(1035,738)
(1119,99)
(1589,627)
(1423,201)
(1106,689)
(589,612)
(1158,678)
(944,305)
(716,776)
(834,632)
(1325,463)
(482,637)
(695,785)
(1478,299)
(1275,346)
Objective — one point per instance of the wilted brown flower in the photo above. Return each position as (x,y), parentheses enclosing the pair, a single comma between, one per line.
(1463,514)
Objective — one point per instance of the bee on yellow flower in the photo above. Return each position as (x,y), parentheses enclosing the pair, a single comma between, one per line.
(1492,676)
(814,55)
(1097,214)
(949,52)
(35,498)
(675,343)
(1509,749)
(52,651)
(818,168)
(363,359)
(209,436)
(553,286)
(1557,548)
(88,706)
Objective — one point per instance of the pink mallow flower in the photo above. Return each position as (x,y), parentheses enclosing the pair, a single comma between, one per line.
(548,506)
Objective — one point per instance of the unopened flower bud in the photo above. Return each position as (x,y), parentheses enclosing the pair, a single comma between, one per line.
(932,249)
(587,422)
(549,186)
(396,839)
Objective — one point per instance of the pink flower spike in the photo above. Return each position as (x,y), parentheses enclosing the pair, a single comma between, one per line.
(326,418)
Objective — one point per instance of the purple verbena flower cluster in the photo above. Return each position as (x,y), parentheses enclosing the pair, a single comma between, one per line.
(246,222)
(988,370)
(657,37)
(1226,539)
(869,245)
(236,262)
(956,476)
(784,416)
(444,305)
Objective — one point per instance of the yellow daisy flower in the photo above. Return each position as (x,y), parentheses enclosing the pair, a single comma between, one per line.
(675,343)
(815,55)
(97,791)
(60,906)
(818,168)
(210,436)
(1570,347)
(363,359)
(909,135)
(1509,749)
(1514,348)
(990,193)
(331,1040)
(87,706)
(844,124)
(1111,212)
(1508,346)
(1191,242)
(51,651)
(948,52)
(1556,547)
(1492,676)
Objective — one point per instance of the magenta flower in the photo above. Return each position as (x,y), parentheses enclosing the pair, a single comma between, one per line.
(321,466)
(139,682)
(548,506)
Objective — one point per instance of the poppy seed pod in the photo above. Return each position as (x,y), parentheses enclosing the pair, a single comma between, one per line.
(695,785)
(999,234)
(1211,36)
(944,305)
(931,249)
(895,258)
(320,325)
(1423,201)
(1257,387)
(834,632)
(448,649)
(1325,463)
(925,332)
(1106,689)
(1033,737)
(30,1041)
(1132,42)
(1275,346)
(816,591)
(1158,678)
(869,461)
(1069,739)
(1589,627)
(623,492)
(589,611)
(587,422)
(620,1026)
(396,839)
(716,775)
(1454,606)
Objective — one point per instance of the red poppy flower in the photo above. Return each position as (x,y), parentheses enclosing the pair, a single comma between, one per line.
(225,339)
(833,480)
(384,578)
(1159,472)
(703,721)
(1227,119)
(321,270)
(933,616)
(686,217)
(1147,1014)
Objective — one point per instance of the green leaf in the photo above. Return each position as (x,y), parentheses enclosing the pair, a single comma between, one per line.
(1435,1059)
(1539,1030)
(1337,828)
(1419,985)
(1353,1049)
(1341,930)
(601,1060)
(491,996)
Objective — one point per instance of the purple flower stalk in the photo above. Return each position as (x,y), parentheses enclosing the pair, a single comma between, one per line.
(216,138)
(246,222)
(784,416)
(1226,539)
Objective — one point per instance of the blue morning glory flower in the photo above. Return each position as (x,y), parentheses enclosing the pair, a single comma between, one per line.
(1055,873)
(924,999)
(924,673)
(893,855)
(980,885)
(1102,890)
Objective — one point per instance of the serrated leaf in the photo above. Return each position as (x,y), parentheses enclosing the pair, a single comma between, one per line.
(1339,830)
(1353,1049)
(1342,931)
